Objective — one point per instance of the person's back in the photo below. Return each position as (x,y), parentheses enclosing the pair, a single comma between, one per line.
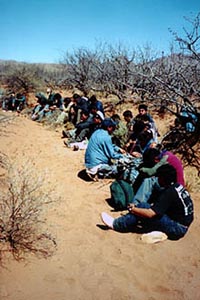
(100,149)
(97,103)
(174,161)
(120,135)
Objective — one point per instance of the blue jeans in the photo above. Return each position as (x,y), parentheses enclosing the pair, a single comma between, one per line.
(130,222)
(145,190)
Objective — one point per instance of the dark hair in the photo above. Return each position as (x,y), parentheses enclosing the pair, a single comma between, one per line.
(143,106)
(57,96)
(168,173)
(149,156)
(93,98)
(127,113)
(138,127)
(67,100)
(116,117)
(85,112)
(76,96)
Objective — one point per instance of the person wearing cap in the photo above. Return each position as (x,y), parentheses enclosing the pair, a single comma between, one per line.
(96,124)
(100,150)
(171,212)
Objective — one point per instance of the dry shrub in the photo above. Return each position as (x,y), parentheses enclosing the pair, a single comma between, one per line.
(23,201)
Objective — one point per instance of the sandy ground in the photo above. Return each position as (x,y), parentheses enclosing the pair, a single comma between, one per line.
(92,263)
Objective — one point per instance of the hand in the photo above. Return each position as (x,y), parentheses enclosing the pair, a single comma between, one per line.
(131,207)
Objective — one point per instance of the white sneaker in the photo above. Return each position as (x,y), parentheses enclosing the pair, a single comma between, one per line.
(107,220)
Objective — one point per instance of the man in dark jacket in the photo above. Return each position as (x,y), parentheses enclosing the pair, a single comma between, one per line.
(171,212)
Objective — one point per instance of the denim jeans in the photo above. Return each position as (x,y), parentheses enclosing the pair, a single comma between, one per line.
(145,190)
(129,223)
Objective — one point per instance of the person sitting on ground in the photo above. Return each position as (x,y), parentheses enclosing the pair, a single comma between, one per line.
(144,141)
(41,108)
(119,136)
(128,117)
(9,102)
(94,102)
(96,124)
(79,133)
(138,127)
(100,151)
(144,116)
(20,102)
(171,212)
(97,120)
(79,104)
(146,182)
(65,108)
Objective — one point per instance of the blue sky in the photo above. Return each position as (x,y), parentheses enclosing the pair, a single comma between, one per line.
(43,30)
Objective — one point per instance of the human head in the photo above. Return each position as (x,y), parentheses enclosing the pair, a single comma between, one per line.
(84,114)
(93,99)
(127,114)
(49,90)
(151,157)
(109,125)
(144,138)
(142,109)
(116,118)
(98,117)
(75,97)
(167,175)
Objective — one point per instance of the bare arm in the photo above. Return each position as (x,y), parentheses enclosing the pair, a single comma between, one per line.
(141,212)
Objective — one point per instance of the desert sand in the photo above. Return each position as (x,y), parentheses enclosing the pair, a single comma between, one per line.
(89,262)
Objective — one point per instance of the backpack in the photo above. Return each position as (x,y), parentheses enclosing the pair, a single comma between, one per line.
(121,194)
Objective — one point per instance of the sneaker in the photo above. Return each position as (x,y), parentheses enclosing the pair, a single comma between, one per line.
(107,220)
(154,237)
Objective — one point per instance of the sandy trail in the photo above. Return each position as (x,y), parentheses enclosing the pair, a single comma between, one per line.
(91,263)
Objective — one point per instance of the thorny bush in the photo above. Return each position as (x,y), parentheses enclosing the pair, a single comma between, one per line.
(22,203)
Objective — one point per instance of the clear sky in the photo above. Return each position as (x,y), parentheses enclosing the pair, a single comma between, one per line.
(43,30)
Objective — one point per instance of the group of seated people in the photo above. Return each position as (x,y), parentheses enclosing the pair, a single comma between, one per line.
(114,148)
(161,202)
(14,102)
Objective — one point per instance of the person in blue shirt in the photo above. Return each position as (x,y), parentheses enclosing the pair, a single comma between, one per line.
(97,103)
(100,151)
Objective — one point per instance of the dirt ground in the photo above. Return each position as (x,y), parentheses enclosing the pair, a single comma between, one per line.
(92,263)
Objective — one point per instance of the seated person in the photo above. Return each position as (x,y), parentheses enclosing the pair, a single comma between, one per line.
(144,116)
(41,108)
(94,102)
(152,160)
(96,124)
(79,104)
(128,117)
(120,134)
(143,142)
(81,129)
(9,102)
(171,212)
(100,150)
(19,102)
